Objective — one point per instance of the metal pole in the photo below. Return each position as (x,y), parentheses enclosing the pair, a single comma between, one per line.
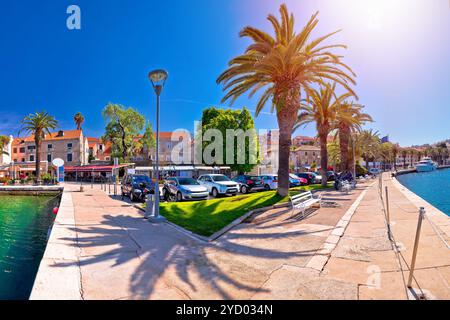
(388,214)
(92,179)
(158,89)
(109,185)
(354,158)
(416,245)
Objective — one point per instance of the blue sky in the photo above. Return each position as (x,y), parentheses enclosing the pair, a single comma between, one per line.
(399,49)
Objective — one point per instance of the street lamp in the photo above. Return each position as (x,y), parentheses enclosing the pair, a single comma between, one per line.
(158,79)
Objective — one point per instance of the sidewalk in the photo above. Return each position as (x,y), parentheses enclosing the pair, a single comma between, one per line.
(336,253)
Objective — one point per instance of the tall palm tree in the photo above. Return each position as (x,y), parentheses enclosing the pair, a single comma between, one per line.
(349,119)
(79,120)
(322,108)
(284,66)
(38,125)
(4,141)
(404,152)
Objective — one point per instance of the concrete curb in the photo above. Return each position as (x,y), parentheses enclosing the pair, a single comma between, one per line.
(59,276)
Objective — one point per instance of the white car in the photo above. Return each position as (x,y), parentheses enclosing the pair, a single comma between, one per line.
(270,181)
(218,184)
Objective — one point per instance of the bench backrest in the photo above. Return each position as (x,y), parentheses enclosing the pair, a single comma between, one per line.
(304,196)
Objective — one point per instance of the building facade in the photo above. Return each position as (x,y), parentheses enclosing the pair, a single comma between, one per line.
(304,156)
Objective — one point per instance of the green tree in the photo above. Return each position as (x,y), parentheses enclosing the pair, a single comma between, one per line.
(148,139)
(369,144)
(4,141)
(282,67)
(228,119)
(78,118)
(123,127)
(38,125)
(322,108)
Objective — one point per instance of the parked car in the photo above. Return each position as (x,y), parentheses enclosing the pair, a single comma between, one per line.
(137,187)
(270,181)
(295,181)
(184,189)
(374,171)
(249,183)
(311,177)
(218,184)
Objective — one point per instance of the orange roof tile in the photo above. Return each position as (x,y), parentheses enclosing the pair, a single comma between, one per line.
(68,134)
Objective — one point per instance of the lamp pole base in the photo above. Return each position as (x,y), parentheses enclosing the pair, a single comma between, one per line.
(157,219)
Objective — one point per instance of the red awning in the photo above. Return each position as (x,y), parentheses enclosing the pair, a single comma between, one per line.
(69,169)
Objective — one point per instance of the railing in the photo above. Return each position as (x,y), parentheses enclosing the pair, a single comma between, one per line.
(421,216)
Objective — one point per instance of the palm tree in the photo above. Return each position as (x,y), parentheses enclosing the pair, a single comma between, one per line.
(369,142)
(412,153)
(349,119)
(4,141)
(395,151)
(38,125)
(79,120)
(283,66)
(322,108)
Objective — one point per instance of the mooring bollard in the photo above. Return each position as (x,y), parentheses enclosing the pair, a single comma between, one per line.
(388,218)
(416,245)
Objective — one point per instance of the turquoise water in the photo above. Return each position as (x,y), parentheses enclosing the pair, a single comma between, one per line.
(24,224)
(433,187)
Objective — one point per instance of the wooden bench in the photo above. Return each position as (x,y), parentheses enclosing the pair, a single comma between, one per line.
(303,201)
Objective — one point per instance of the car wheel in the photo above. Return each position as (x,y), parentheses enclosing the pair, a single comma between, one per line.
(214,193)
(244,189)
(166,195)
(179,197)
(267,187)
(132,197)
(233,194)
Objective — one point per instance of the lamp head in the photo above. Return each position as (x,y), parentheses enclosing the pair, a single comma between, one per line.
(158,77)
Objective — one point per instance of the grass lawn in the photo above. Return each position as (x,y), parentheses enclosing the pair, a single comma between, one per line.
(208,216)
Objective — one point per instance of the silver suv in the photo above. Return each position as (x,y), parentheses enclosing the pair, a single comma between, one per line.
(218,184)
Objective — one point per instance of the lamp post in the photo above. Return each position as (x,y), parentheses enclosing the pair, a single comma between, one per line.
(158,79)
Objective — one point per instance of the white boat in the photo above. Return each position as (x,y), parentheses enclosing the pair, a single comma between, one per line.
(426,164)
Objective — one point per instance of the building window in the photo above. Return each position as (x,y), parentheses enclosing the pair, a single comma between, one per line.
(69,157)
(314,154)
(31,147)
(306,153)
(23,159)
(15,160)
(49,146)
(169,145)
(15,150)
(100,146)
(49,158)
(22,150)
(31,157)
(69,146)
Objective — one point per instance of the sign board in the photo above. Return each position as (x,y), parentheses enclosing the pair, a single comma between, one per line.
(58,162)
(61,174)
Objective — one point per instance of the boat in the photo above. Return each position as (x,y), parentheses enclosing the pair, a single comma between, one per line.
(426,164)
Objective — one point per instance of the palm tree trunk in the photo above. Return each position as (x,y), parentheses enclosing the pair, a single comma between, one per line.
(37,143)
(286,124)
(344,135)
(323,157)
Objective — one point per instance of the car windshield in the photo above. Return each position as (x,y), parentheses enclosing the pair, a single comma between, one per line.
(220,178)
(187,181)
(253,178)
(141,179)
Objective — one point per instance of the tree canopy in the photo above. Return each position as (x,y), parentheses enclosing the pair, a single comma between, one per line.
(228,119)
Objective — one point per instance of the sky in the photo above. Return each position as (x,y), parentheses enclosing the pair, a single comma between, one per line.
(399,49)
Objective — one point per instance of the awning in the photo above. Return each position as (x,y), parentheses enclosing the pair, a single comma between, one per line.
(87,169)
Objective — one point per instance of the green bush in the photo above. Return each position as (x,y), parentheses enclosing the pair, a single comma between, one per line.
(360,170)
(46,177)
